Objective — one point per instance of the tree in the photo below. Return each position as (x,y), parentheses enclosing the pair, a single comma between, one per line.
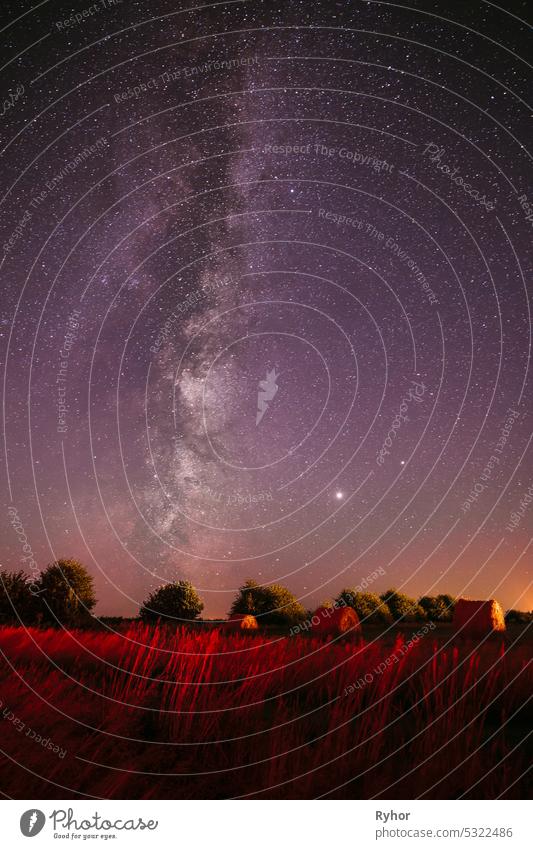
(272,604)
(402,607)
(175,601)
(66,593)
(438,608)
(17,602)
(368,606)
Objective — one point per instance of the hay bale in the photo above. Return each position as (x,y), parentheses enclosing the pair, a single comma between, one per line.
(478,618)
(335,621)
(241,622)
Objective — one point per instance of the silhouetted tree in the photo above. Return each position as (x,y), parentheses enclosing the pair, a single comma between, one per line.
(438,608)
(370,608)
(172,602)
(272,604)
(17,603)
(403,608)
(66,593)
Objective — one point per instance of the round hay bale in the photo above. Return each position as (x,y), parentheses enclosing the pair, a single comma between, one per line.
(335,621)
(478,618)
(242,622)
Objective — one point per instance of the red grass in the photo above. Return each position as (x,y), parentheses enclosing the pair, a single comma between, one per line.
(156,713)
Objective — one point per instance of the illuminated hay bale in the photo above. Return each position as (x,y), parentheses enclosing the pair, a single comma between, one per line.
(242,622)
(478,618)
(335,621)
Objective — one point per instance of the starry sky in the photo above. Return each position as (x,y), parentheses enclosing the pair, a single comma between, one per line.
(318,212)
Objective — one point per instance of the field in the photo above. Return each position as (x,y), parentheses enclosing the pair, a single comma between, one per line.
(199,713)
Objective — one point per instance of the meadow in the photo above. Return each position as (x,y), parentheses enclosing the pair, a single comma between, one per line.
(157,712)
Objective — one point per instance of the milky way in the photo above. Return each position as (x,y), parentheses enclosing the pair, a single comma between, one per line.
(266,302)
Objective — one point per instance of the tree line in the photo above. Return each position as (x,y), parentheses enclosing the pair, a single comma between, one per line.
(64,595)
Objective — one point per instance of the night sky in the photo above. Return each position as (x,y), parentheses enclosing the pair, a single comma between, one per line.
(266,296)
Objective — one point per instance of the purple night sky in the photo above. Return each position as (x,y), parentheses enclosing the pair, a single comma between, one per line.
(320,207)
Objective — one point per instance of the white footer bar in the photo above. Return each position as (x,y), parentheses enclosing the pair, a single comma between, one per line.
(266,824)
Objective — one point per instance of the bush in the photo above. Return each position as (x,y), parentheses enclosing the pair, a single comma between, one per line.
(66,594)
(519,617)
(403,608)
(368,606)
(438,608)
(271,605)
(175,601)
(17,602)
